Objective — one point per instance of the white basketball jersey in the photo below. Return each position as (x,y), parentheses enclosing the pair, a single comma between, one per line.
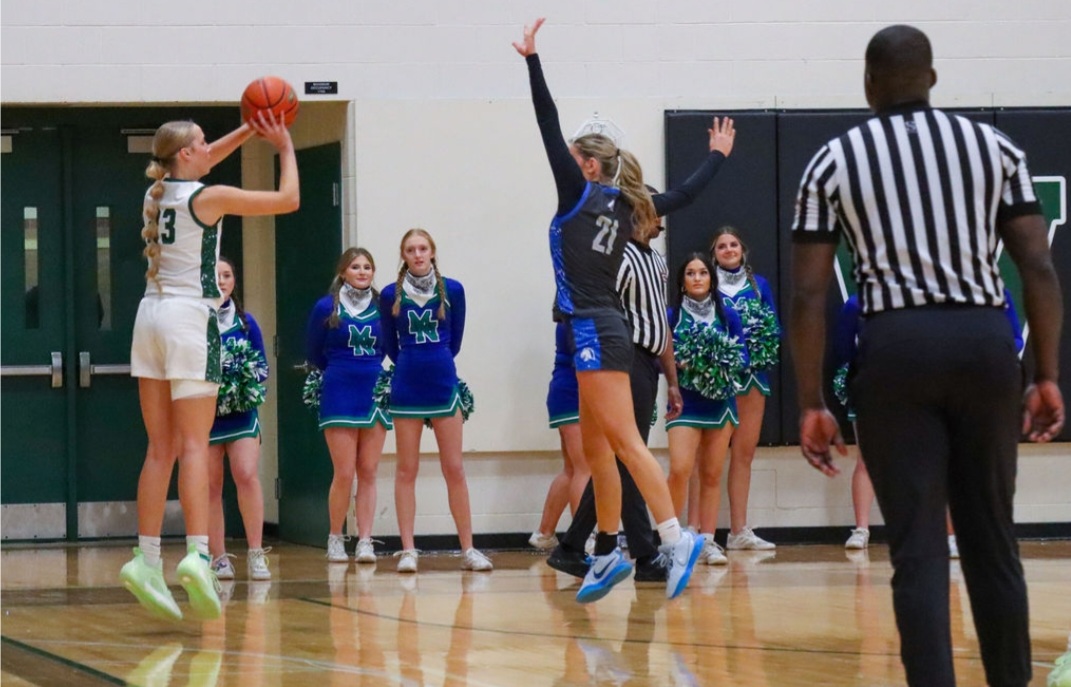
(188,249)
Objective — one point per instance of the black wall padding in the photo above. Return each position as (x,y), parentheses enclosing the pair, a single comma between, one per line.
(743,194)
(756,192)
(1045,135)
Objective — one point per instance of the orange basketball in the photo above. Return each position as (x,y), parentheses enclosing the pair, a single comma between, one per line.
(273,94)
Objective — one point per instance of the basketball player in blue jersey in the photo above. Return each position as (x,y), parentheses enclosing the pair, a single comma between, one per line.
(601,197)
(423,319)
(737,286)
(175,348)
(237,435)
(344,338)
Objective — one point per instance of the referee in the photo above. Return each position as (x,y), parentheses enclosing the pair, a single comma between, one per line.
(922,198)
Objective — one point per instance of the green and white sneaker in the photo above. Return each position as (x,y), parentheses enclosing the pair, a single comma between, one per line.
(200,584)
(146,583)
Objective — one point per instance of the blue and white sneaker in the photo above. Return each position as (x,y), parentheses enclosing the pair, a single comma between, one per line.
(604,573)
(682,556)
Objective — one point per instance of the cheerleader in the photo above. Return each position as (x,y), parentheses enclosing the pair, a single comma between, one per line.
(750,296)
(423,319)
(236,431)
(601,197)
(344,339)
(175,353)
(704,330)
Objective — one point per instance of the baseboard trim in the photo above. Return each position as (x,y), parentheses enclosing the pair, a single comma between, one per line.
(519,540)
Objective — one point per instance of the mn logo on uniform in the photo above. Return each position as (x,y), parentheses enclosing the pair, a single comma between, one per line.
(362,341)
(587,355)
(423,326)
(1051,192)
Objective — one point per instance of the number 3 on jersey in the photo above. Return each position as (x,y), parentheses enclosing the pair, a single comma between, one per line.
(604,240)
(167,236)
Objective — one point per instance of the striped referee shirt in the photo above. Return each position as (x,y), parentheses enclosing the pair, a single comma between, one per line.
(917,194)
(641,284)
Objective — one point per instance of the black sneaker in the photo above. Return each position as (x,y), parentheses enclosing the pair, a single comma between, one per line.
(654,569)
(573,563)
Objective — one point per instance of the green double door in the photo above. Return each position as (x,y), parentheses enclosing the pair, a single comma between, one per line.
(72,273)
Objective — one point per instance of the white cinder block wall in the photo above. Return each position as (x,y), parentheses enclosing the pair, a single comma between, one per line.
(437,128)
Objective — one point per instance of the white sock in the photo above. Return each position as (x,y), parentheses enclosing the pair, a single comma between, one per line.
(150,549)
(669,531)
(201,542)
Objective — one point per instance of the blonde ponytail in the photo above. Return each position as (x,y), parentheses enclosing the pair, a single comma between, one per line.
(620,168)
(630,181)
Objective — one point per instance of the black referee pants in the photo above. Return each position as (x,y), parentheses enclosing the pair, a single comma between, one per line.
(644,380)
(937,392)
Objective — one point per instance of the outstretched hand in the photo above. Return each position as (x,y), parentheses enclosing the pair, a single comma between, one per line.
(1043,411)
(818,430)
(722,135)
(527,46)
(272,128)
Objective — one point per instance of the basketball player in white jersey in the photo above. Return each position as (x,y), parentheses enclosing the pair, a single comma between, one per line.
(176,347)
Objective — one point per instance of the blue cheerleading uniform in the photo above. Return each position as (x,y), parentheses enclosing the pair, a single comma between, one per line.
(351,357)
(423,347)
(699,411)
(245,424)
(755,379)
(563,395)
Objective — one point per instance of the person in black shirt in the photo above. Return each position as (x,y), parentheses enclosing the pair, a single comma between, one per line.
(601,197)
(923,199)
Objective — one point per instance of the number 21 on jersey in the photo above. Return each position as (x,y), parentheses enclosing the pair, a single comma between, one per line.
(604,240)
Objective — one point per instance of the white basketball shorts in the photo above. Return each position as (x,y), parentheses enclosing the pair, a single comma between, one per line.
(176,338)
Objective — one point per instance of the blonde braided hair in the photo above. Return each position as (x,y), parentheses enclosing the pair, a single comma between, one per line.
(169,139)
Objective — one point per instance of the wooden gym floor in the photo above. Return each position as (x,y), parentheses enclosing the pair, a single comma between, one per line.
(809,615)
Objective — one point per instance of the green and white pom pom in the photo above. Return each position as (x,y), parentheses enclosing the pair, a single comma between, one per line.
(244,371)
(762,332)
(840,384)
(313,388)
(710,361)
(468,401)
(381,391)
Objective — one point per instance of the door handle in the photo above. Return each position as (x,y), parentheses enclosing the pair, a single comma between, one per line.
(55,370)
(86,370)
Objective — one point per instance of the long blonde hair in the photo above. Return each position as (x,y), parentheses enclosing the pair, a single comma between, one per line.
(621,169)
(170,138)
(347,257)
(440,286)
